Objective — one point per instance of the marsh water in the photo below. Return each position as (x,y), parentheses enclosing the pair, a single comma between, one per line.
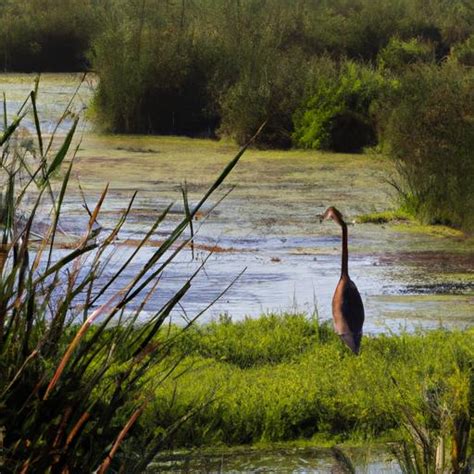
(267,228)
(288,459)
(409,276)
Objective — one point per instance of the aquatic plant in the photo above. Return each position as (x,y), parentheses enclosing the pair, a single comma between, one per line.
(438,425)
(74,367)
(287,377)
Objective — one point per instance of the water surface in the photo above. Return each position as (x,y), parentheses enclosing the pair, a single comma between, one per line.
(267,225)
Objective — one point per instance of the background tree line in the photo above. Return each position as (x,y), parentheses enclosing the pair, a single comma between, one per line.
(328,74)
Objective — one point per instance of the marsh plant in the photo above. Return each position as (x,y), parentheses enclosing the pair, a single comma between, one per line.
(287,377)
(426,125)
(74,365)
(438,431)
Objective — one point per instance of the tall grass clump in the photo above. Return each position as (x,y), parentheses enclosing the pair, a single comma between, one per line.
(437,421)
(427,127)
(74,364)
(154,71)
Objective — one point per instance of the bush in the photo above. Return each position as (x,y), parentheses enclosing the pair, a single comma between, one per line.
(271,93)
(427,127)
(335,115)
(47,36)
(463,53)
(398,54)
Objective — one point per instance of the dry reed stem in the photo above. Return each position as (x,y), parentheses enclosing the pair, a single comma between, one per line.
(105,465)
(82,420)
(75,342)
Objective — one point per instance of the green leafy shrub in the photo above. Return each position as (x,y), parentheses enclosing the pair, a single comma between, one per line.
(398,54)
(427,129)
(268,92)
(463,53)
(335,114)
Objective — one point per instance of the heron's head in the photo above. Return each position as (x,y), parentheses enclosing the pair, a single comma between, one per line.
(331,213)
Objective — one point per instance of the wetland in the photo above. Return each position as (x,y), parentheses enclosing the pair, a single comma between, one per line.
(410,276)
(262,350)
(166,284)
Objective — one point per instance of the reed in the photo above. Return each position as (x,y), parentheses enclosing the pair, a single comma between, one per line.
(73,364)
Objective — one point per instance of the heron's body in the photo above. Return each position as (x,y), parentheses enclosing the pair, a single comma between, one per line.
(348,313)
(347,307)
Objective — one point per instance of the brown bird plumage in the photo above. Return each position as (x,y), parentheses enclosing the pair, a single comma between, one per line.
(347,307)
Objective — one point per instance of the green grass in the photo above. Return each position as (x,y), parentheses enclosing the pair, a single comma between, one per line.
(383,217)
(285,377)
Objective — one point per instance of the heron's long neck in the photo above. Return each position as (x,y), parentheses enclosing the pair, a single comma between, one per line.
(345,252)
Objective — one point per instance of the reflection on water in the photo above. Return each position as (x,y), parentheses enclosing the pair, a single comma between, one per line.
(301,460)
(266,226)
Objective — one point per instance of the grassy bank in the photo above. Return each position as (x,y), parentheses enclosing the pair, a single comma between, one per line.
(286,377)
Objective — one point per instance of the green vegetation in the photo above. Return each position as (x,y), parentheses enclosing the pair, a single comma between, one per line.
(427,126)
(334,75)
(207,67)
(74,368)
(336,113)
(463,53)
(226,67)
(46,35)
(398,54)
(383,217)
(287,377)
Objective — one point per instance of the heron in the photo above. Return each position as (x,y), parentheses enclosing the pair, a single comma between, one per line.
(347,306)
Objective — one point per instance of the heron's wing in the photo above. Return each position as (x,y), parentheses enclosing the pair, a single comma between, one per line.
(353,308)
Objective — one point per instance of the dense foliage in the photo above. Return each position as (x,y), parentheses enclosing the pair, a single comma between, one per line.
(51,35)
(204,67)
(285,377)
(335,115)
(427,125)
